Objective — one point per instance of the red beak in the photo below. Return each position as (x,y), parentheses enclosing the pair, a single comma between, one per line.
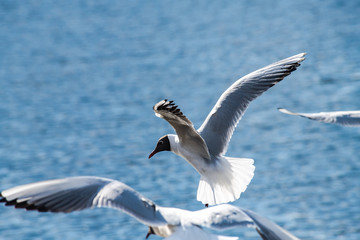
(152,153)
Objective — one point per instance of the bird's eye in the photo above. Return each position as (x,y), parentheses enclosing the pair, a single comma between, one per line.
(161,142)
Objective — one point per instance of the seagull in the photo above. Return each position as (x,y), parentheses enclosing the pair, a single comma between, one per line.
(344,118)
(223,178)
(77,193)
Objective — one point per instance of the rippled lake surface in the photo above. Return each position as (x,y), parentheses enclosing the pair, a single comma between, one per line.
(78,80)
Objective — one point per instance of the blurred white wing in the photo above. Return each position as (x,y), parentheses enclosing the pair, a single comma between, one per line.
(195,233)
(345,118)
(226,216)
(78,193)
(219,125)
(221,217)
(269,230)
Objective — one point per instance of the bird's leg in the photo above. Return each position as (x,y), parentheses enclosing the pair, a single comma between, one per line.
(150,232)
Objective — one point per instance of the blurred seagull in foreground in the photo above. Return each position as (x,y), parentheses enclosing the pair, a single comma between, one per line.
(345,118)
(78,193)
(223,178)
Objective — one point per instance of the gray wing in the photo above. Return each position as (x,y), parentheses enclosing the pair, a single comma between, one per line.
(183,126)
(78,193)
(219,125)
(269,230)
(345,118)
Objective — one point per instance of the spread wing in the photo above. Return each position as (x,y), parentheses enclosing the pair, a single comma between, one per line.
(269,230)
(220,217)
(226,216)
(345,118)
(219,125)
(195,233)
(184,128)
(78,193)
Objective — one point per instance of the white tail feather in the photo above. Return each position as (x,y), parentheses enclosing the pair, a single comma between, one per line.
(226,180)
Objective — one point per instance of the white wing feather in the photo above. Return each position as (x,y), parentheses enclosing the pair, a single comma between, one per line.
(268,229)
(196,233)
(221,217)
(345,118)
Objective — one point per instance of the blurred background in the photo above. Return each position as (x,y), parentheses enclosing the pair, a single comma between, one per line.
(78,80)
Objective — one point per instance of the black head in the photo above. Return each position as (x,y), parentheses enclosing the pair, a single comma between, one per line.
(162,145)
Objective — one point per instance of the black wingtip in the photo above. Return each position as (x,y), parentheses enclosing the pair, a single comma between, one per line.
(32,207)
(21,205)
(170,107)
(294,67)
(10,203)
(24,205)
(2,198)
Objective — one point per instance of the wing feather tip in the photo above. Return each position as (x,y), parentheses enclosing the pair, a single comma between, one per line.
(283,110)
(168,106)
(24,205)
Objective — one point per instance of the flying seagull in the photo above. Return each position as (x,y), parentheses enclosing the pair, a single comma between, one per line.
(223,178)
(78,193)
(345,118)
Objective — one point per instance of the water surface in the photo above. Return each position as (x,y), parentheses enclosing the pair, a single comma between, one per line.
(78,80)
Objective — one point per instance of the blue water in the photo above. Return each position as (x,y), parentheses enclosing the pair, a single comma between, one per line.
(78,80)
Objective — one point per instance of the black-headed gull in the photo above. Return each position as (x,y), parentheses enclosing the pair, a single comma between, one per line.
(78,193)
(223,179)
(345,118)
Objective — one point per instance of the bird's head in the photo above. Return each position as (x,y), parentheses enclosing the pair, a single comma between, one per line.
(162,145)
